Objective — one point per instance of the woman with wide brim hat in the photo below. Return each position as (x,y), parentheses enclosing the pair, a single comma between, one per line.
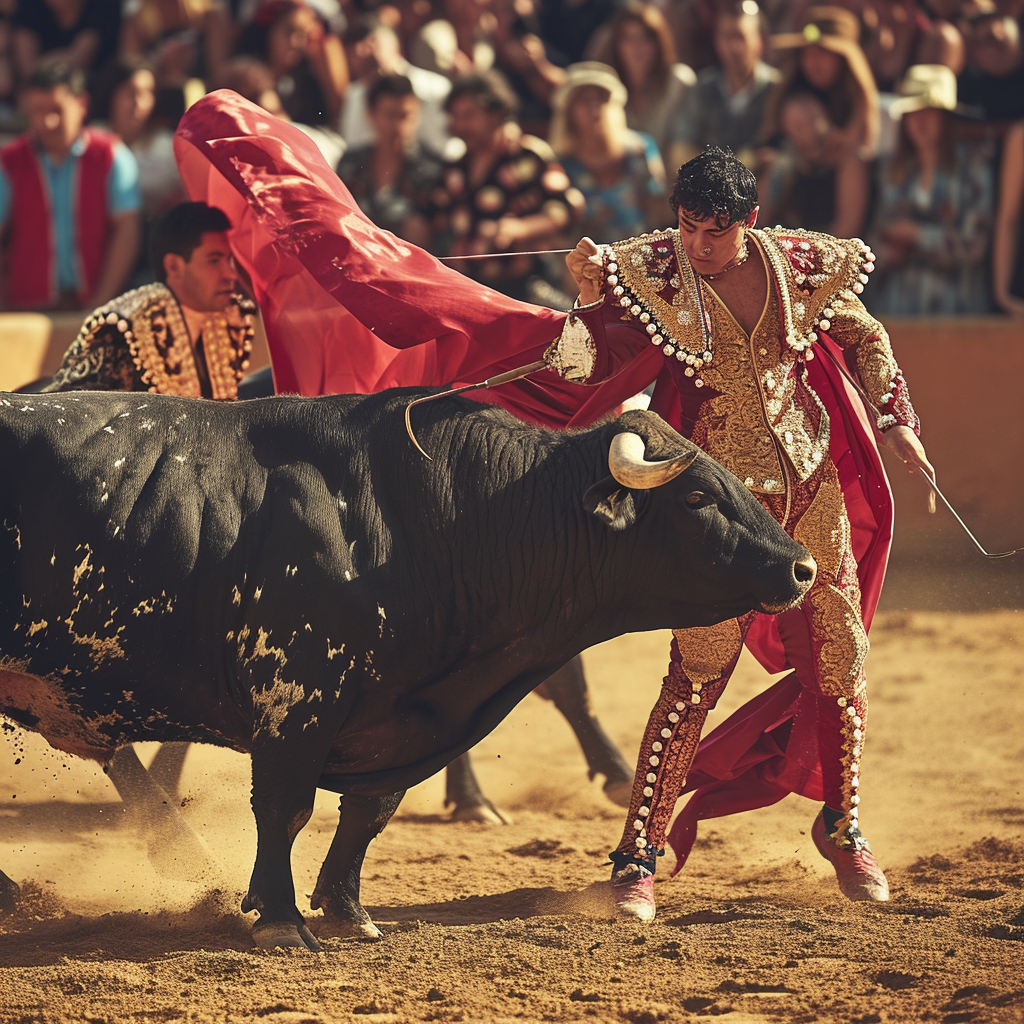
(825,59)
(619,171)
(935,210)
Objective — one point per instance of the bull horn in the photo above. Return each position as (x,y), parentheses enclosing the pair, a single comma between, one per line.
(629,467)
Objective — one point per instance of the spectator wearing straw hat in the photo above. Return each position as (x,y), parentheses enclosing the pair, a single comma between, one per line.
(933,223)
(619,171)
(825,59)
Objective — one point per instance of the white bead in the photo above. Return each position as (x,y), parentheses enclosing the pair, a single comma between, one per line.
(668,350)
(645,318)
(111,318)
(825,324)
(828,313)
(858,288)
(613,267)
(681,356)
(644,812)
(651,329)
(851,711)
(680,706)
(695,699)
(613,279)
(651,777)
(688,371)
(634,309)
(666,733)
(855,799)
(648,791)
(657,339)
(698,383)
(638,825)
(641,842)
(653,761)
(673,717)
(624,301)
(618,290)
(657,746)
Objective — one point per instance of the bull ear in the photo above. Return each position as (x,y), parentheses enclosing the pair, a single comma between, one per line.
(611,503)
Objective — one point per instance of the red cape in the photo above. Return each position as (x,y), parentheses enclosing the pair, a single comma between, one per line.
(350,308)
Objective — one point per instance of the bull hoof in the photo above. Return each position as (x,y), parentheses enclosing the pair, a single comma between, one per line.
(620,793)
(10,894)
(284,935)
(482,814)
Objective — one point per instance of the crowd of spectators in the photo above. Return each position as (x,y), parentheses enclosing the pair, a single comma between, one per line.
(475,127)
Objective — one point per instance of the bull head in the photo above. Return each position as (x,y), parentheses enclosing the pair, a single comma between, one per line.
(631,470)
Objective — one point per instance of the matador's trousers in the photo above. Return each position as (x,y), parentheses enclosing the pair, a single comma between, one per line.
(825,644)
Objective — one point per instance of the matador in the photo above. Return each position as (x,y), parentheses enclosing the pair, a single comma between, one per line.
(188,333)
(740,315)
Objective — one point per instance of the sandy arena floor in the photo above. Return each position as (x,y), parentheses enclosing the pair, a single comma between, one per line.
(495,924)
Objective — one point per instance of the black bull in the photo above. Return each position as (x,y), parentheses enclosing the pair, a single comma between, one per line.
(290,578)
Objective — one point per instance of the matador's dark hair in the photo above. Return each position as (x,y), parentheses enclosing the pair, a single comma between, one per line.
(715,185)
(180,230)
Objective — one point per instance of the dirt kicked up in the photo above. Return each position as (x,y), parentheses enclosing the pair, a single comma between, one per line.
(495,924)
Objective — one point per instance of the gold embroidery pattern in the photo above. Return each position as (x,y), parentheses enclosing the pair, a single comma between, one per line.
(651,277)
(843,644)
(813,269)
(573,353)
(705,649)
(824,529)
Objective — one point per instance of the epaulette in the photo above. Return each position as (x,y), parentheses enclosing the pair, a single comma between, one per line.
(813,270)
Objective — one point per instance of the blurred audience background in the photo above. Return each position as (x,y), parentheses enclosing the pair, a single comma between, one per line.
(482,127)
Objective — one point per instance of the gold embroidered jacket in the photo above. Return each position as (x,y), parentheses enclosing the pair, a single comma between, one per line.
(140,342)
(652,296)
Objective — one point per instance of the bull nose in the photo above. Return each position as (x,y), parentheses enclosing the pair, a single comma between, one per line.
(804,572)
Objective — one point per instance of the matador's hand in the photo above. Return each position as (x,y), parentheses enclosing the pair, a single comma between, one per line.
(907,446)
(585,265)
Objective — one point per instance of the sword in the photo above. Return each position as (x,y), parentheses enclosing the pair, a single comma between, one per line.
(491,382)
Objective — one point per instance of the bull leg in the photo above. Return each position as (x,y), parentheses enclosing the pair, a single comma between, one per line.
(167,765)
(174,848)
(567,688)
(286,765)
(463,792)
(362,818)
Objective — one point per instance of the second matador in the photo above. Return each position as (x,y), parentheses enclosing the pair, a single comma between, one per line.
(742,316)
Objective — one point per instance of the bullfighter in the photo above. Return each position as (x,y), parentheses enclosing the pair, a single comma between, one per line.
(189,333)
(747,323)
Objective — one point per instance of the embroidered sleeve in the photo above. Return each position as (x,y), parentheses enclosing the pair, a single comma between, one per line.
(860,334)
(597,341)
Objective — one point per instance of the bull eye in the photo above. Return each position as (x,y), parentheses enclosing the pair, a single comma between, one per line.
(695,498)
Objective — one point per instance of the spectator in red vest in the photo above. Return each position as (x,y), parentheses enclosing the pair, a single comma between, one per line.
(69,200)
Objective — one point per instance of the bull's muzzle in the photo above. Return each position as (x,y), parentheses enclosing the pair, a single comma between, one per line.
(628,466)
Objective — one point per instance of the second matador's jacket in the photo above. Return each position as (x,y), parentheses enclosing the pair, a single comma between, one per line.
(139,342)
(766,408)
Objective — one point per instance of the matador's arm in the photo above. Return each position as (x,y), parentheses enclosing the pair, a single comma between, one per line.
(867,348)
